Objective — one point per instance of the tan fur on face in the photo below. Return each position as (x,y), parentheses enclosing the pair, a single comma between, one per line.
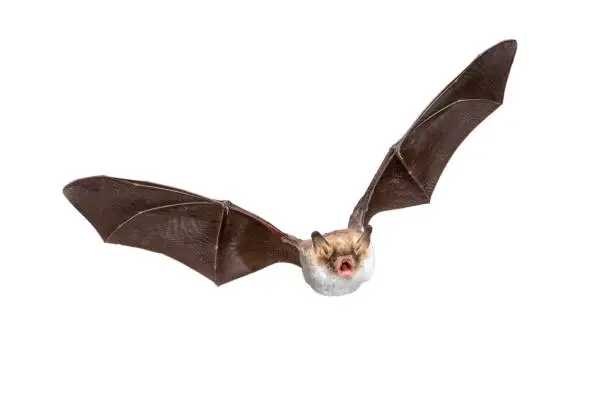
(342,243)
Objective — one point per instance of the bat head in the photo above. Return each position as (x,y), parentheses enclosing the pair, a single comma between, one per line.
(342,253)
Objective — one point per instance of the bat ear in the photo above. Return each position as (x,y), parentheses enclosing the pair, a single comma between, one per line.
(364,239)
(320,244)
(318,239)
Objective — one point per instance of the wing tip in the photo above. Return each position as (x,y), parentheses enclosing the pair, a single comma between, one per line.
(75,192)
(498,61)
(508,46)
(510,42)
(85,183)
(503,52)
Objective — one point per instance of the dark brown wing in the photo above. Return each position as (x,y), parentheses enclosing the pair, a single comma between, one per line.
(411,169)
(216,238)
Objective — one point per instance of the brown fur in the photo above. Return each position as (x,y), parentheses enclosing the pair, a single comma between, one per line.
(341,243)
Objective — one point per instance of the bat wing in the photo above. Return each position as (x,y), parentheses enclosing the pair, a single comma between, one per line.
(216,238)
(410,171)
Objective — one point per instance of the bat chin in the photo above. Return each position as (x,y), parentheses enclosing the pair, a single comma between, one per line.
(346,274)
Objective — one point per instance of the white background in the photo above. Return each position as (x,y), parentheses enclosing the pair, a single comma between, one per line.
(498,294)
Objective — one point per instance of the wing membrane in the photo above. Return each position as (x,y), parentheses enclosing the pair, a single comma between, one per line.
(216,238)
(411,169)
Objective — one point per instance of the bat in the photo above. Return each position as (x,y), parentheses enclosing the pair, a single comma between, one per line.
(225,242)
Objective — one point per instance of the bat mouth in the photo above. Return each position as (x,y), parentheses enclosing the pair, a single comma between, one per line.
(345,267)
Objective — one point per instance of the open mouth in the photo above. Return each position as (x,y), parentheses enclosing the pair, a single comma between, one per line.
(345,268)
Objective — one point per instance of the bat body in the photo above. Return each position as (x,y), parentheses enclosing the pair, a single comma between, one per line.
(224,242)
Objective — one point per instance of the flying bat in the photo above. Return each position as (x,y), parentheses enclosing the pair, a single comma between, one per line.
(224,242)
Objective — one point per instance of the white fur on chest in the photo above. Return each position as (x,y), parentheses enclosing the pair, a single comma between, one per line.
(329,284)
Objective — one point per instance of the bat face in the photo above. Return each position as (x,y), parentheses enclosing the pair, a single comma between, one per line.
(338,262)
